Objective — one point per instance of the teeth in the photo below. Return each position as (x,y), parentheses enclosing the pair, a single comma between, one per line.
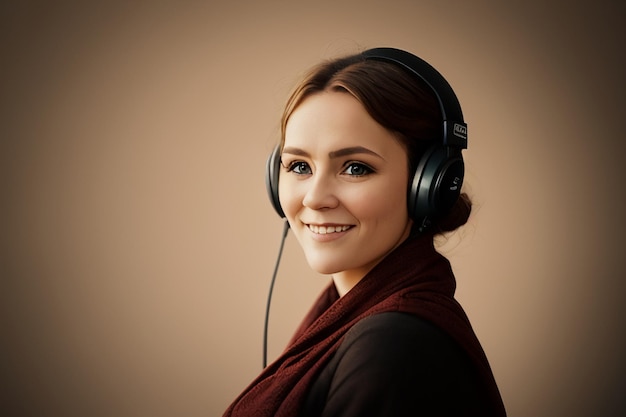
(324,230)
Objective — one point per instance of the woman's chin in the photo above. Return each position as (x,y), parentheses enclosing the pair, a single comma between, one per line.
(324,267)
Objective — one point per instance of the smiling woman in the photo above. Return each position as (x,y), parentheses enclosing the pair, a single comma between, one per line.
(368,171)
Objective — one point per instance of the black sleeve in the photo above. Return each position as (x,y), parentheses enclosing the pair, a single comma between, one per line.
(394,364)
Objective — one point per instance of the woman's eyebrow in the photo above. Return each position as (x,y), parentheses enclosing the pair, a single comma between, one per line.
(352,150)
(295,151)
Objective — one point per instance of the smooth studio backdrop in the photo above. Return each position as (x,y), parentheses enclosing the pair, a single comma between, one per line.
(137,240)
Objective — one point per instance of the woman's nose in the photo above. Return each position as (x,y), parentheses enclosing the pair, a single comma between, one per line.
(320,193)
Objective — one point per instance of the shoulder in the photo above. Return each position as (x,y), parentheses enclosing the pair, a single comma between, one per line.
(386,328)
(391,364)
(398,342)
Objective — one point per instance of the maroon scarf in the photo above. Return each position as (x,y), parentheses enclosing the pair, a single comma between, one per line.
(413,279)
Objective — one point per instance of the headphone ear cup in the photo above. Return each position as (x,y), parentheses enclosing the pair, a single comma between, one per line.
(272,172)
(436,185)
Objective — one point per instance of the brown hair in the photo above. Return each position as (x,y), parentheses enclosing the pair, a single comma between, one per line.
(396,99)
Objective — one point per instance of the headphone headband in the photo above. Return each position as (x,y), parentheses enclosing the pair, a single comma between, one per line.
(454,128)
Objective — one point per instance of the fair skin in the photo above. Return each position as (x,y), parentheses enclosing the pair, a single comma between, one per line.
(343,185)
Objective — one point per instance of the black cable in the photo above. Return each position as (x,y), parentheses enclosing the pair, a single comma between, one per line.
(269,297)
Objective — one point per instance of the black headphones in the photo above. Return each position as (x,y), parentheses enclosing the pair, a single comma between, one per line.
(438,178)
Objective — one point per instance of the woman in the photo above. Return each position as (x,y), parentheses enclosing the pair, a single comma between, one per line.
(368,171)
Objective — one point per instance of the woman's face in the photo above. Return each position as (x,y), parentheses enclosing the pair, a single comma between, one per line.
(343,185)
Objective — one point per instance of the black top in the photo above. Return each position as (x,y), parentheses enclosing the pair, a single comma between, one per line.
(341,363)
(395,364)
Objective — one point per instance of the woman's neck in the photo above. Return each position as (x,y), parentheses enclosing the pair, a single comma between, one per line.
(345,281)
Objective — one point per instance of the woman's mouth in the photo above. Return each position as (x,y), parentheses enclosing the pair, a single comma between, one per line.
(325,230)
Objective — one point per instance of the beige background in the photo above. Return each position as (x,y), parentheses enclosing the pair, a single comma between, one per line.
(137,241)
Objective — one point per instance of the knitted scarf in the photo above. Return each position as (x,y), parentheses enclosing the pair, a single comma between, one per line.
(413,279)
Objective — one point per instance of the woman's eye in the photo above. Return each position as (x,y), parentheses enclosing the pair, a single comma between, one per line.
(299,167)
(358,170)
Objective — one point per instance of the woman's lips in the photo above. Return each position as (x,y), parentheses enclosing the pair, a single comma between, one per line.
(324,230)
(327,233)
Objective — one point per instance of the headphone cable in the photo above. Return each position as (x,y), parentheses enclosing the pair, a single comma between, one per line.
(269,296)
